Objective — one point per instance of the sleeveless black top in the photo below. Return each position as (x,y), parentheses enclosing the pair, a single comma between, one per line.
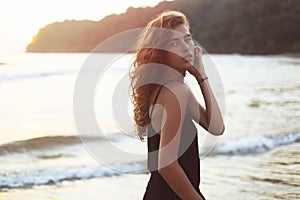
(188,154)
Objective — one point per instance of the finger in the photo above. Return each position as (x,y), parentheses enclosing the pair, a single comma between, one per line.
(197,51)
(197,48)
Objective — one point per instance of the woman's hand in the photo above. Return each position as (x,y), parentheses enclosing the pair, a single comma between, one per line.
(197,69)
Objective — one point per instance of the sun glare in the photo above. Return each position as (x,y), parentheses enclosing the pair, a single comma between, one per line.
(21,20)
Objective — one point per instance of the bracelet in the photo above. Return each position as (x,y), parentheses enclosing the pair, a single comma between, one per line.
(203,79)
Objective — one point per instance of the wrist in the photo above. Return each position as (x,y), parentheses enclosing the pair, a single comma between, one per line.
(202,74)
(202,79)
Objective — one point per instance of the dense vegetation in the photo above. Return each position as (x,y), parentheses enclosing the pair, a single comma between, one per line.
(220,26)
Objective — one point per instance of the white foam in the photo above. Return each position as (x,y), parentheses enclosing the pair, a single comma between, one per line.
(255,144)
(30,178)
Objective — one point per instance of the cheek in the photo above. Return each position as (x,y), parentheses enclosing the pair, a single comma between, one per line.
(174,61)
(171,58)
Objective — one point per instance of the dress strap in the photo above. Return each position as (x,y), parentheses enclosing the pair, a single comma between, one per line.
(155,100)
(157,96)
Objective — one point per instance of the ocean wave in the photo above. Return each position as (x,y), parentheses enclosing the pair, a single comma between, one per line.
(255,144)
(12,77)
(42,143)
(27,179)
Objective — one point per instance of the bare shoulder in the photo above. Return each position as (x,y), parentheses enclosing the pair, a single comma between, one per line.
(173,92)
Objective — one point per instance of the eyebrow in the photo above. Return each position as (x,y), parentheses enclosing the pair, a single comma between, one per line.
(176,39)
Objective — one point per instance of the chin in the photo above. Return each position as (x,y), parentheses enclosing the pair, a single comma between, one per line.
(187,65)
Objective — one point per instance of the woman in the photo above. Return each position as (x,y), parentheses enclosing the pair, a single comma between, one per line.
(165,52)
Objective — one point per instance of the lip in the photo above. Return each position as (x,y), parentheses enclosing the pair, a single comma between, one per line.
(188,57)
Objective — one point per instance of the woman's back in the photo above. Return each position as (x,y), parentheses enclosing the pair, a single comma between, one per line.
(188,158)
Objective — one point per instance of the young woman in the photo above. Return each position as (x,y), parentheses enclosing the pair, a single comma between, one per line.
(165,52)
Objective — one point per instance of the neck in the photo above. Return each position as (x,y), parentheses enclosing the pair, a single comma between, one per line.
(175,76)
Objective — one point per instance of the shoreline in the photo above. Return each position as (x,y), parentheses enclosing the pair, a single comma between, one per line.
(288,54)
(114,187)
(293,54)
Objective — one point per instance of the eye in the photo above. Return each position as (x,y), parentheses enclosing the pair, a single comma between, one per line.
(188,39)
(173,44)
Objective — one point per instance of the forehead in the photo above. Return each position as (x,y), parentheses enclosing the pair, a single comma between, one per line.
(180,31)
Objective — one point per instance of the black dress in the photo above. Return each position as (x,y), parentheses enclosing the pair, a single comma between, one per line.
(188,153)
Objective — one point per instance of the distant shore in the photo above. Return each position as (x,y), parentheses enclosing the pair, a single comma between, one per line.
(216,27)
(293,54)
(287,54)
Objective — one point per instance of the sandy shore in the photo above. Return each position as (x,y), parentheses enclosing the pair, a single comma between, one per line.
(128,186)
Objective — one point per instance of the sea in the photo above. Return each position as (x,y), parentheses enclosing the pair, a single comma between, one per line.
(45,153)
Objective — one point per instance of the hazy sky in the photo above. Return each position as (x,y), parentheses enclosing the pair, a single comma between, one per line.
(21,19)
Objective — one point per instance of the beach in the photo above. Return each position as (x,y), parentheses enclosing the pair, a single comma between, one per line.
(43,156)
(233,178)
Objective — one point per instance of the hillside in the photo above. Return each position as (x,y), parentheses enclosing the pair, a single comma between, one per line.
(231,26)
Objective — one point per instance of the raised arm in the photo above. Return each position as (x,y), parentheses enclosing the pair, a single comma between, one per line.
(210,118)
(175,104)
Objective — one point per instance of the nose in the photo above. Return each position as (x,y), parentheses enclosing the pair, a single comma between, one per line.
(185,47)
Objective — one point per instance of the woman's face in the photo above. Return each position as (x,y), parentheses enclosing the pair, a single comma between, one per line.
(180,49)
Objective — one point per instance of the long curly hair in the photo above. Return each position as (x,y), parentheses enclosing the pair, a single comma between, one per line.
(144,70)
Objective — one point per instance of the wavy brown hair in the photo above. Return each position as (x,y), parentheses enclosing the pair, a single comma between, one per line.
(144,71)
